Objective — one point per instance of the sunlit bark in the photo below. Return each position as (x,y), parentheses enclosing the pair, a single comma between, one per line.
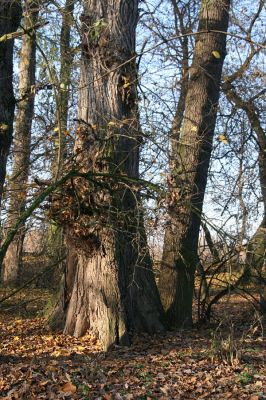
(114,291)
(190,166)
(22,143)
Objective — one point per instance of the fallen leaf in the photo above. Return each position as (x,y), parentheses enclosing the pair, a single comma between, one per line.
(69,388)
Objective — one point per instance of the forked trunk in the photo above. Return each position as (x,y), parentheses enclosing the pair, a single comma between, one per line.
(190,168)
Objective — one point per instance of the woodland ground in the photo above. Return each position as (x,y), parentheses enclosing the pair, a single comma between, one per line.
(225,361)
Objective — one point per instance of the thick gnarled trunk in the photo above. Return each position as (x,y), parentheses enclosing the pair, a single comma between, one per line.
(114,292)
(189,171)
(10,14)
(22,142)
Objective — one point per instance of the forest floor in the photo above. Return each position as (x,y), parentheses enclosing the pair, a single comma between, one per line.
(225,361)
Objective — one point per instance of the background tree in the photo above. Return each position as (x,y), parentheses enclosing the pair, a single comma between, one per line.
(55,245)
(10,14)
(22,142)
(238,161)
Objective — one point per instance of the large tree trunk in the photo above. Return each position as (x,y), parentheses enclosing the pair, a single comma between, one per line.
(189,172)
(10,14)
(114,292)
(22,143)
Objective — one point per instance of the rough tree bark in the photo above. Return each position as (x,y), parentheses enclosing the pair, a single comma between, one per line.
(55,245)
(180,109)
(10,14)
(22,143)
(66,61)
(189,172)
(114,291)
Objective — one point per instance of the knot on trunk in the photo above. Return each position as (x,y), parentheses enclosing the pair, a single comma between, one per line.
(79,200)
(83,240)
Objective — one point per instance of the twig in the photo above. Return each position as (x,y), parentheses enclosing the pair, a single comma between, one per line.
(23,304)
(14,35)
(33,279)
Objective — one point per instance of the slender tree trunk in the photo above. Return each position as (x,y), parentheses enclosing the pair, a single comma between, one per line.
(22,142)
(56,237)
(66,60)
(180,109)
(256,249)
(253,116)
(10,14)
(189,173)
(210,243)
(114,292)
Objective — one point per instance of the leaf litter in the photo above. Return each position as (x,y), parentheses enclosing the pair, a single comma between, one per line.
(36,363)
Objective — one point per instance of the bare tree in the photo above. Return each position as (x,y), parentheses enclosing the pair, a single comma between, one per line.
(55,241)
(22,142)
(66,60)
(10,14)
(110,284)
(189,172)
(256,248)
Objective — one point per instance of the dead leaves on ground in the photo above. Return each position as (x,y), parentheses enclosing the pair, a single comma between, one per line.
(38,364)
